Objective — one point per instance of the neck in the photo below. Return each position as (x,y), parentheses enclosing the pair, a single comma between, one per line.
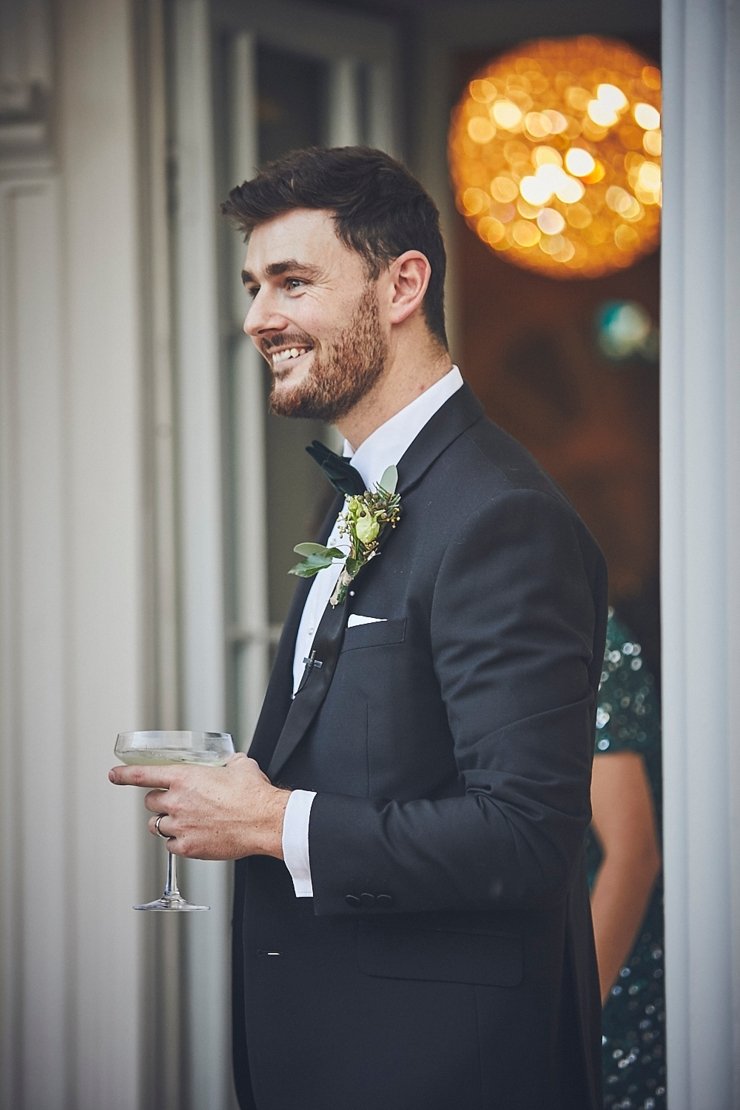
(401,383)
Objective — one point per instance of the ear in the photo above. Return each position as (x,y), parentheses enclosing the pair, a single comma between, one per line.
(409,274)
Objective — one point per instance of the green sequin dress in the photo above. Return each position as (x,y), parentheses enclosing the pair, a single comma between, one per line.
(633,1041)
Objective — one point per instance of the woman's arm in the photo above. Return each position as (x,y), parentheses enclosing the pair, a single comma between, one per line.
(624,823)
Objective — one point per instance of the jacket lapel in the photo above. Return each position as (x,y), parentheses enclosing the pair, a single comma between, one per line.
(280,687)
(327,644)
(278,697)
(456,415)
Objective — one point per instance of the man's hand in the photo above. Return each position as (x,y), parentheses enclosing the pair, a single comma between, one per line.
(212,812)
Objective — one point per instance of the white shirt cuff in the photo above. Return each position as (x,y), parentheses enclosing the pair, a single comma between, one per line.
(295,841)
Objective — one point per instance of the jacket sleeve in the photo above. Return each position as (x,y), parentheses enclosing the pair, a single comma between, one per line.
(513,626)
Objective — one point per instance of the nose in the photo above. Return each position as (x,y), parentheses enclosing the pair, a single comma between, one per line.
(262,315)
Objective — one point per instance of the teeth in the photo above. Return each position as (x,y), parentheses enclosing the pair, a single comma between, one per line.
(284,356)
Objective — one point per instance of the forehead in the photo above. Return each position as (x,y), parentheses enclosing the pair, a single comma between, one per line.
(306,235)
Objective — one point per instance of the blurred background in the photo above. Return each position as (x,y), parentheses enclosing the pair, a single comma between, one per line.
(150,503)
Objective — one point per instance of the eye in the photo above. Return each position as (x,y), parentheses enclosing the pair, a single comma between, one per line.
(294,284)
(251,291)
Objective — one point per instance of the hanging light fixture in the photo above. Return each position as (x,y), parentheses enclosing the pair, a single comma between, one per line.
(554,152)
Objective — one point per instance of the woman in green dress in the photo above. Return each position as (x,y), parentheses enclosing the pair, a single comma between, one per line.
(625,874)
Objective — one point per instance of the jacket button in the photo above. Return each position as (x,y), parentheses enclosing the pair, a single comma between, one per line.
(367,899)
(384,900)
(352,900)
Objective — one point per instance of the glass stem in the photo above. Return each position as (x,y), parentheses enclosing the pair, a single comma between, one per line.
(170,887)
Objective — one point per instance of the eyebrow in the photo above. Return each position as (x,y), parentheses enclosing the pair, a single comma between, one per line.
(289,265)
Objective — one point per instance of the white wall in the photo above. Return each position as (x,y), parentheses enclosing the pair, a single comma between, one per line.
(72,544)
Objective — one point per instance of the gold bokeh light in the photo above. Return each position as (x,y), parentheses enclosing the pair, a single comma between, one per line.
(554,153)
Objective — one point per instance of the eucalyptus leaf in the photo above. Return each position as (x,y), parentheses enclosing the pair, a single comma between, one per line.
(389,480)
(304,570)
(309,549)
(318,561)
(310,566)
(315,558)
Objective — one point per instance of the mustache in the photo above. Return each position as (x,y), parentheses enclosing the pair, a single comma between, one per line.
(286,339)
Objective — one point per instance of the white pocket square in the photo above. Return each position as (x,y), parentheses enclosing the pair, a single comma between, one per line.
(355,619)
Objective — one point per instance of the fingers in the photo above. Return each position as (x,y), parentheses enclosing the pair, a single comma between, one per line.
(158,827)
(201,811)
(153,801)
(135,775)
(163,776)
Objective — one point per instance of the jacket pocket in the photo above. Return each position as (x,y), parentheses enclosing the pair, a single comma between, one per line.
(375,634)
(392,950)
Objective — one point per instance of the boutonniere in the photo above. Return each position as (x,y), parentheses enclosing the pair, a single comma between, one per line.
(363,521)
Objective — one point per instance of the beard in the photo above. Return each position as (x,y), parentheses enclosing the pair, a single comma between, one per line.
(343,372)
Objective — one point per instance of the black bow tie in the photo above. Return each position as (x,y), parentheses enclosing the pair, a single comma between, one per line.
(340,471)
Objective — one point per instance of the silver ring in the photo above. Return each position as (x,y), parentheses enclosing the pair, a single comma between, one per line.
(157,828)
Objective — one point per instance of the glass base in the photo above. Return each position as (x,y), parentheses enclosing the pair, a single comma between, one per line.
(170,903)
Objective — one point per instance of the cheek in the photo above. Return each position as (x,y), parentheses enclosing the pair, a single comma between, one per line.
(257,344)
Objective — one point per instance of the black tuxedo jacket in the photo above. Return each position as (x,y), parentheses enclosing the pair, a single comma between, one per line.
(446,958)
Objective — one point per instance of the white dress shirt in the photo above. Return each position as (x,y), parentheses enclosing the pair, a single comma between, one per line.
(382,449)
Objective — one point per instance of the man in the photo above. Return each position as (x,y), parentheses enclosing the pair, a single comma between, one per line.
(411,919)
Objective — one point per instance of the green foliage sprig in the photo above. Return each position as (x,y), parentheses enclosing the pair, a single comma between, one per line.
(363,520)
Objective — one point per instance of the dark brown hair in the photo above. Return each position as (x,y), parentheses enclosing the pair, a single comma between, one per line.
(379,209)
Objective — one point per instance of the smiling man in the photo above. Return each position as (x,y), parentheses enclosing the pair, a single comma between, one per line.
(411,918)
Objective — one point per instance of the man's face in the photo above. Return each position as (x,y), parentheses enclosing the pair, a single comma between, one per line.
(314,316)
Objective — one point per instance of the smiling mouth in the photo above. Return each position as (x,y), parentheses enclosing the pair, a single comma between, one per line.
(280,359)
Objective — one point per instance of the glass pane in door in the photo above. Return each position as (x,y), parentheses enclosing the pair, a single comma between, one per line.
(291,98)
(291,101)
